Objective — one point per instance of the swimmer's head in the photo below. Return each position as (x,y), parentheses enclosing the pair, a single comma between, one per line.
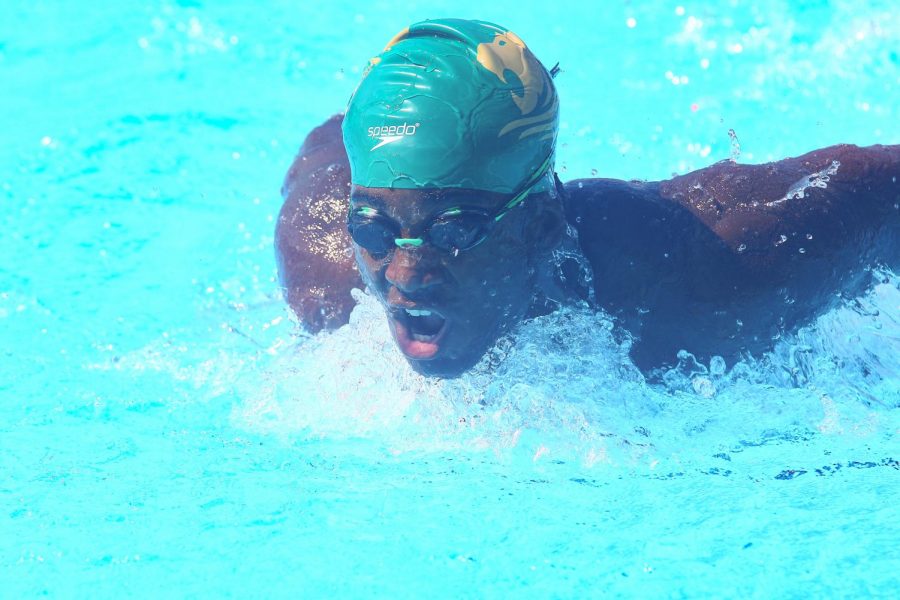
(450,136)
(452,103)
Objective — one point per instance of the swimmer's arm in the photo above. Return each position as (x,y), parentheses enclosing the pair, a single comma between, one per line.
(697,261)
(315,261)
(799,234)
(834,210)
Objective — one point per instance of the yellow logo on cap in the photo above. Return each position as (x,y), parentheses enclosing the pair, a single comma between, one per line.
(507,52)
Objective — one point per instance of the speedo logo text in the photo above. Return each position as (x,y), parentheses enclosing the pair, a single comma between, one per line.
(388,134)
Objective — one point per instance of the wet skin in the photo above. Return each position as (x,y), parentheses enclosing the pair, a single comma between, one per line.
(718,261)
(474,292)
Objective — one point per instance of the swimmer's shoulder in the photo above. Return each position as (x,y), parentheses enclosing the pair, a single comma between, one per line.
(313,251)
(780,187)
(616,218)
(845,191)
(322,148)
(824,201)
(644,249)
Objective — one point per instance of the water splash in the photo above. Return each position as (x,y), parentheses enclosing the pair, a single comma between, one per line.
(569,262)
(563,386)
(735,146)
(819,179)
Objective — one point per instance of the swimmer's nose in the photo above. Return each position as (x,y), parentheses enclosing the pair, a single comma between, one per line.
(409,272)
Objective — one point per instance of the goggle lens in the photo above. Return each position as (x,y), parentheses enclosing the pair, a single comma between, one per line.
(373,235)
(452,231)
(458,233)
(447,233)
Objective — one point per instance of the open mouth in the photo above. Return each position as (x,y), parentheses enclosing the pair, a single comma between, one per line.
(424,325)
(418,331)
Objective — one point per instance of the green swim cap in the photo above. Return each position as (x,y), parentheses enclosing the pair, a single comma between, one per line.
(452,103)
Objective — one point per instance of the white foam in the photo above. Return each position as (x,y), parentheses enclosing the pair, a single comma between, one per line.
(563,386)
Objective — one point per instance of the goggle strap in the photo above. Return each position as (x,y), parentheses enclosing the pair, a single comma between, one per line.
(526,188)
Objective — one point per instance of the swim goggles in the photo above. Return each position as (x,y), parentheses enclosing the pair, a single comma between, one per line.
(453,230)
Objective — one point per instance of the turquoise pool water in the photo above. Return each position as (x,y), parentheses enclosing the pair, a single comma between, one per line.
(166,430)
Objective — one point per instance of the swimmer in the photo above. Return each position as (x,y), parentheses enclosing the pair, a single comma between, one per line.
(436,191)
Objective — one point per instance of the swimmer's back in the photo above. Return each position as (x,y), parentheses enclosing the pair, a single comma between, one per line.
(723,259)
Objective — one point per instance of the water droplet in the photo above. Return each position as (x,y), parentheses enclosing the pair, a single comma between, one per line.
(704,387)
(717,366)
(742,247)
(809,236)
(594,172)
(802,250)
(735,145)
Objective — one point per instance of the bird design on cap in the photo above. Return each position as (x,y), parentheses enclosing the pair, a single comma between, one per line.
(507,52)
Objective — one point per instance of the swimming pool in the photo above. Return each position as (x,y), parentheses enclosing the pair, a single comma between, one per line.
(166,430)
